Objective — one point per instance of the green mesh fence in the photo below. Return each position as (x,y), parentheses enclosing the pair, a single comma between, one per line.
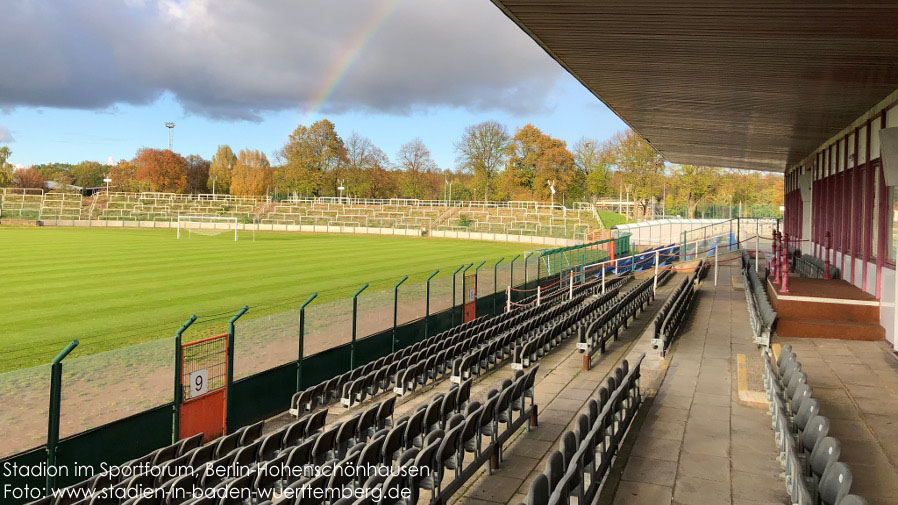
(24,397)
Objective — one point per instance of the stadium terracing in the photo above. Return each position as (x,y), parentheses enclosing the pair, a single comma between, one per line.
(695,372)
(453,219)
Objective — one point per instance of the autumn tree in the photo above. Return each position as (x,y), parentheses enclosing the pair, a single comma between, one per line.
(197,174)
(161,170)
(220,169)
(312,156)
(252,174)
(124,177)
(29,178)
(481,152)
(533,160)
(414,160)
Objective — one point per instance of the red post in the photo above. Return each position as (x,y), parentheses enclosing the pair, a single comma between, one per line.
(785,285)
(829,243)
(775,259)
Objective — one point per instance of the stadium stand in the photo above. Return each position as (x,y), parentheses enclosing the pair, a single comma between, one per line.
(810,266)
(451,217)
(810,457)
(760,312)
(674,311)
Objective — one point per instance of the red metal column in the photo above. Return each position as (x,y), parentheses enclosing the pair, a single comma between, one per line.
(867,223)
(855,205)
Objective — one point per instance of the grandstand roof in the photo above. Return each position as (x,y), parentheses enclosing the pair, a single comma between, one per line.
(753,84)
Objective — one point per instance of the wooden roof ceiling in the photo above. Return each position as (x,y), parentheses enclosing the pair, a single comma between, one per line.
(741,84)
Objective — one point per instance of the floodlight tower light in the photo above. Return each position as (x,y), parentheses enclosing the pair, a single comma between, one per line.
(171,126)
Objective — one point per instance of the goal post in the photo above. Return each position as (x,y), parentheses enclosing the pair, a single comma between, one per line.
(206,225)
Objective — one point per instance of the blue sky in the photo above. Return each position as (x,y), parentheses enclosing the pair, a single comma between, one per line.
(95,79)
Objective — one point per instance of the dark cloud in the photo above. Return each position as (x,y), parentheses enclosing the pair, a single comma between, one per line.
(6,135)
(239,58)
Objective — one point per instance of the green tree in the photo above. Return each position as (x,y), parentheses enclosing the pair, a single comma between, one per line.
(694,184)
(313,156)
(6,176)
(481,152)
(641,166)
(220,169)
(89,174)
(595,161)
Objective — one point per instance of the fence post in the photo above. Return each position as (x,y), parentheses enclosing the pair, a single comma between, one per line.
(427,305)
(715,264)
(685,256)
(302,337)
(395,310)
(538,295)
(570,289)
(178,391)
(757,246)
(230,371)
(603,279)
(54,414)
(496,282)
(355,312)
(526,257)
(508,298)
(538,266)
(657,262)
(511,274)
(452,310)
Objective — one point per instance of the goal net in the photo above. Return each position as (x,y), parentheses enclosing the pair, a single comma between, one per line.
(206,225)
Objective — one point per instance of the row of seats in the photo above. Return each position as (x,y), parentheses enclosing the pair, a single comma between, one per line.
(585,455)
(379,375)
(672,314)
(810,266)
(760,312)
(810,458)
(133,478)
(568,325)
(594,337)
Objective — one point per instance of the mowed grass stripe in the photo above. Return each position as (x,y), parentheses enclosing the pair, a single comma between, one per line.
(123,259)
(225,275)
(112,288)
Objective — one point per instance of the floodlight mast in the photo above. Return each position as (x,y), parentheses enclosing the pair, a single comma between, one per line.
(171,126)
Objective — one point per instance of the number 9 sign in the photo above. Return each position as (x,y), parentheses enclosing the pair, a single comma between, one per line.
(199,383)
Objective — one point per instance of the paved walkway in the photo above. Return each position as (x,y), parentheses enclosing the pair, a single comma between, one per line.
(699,443)
(856,384)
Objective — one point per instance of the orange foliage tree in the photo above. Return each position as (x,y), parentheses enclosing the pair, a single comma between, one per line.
(161,170)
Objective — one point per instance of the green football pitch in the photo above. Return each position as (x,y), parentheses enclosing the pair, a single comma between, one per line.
(112,288)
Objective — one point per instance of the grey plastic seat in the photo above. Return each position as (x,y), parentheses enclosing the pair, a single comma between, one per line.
(554,469)
(808,410)
(802,393)
(827,451)
(852,499)
(539,491)
(817,429)
(835,483)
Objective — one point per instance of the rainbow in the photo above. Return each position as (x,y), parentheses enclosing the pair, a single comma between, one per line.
(350,54)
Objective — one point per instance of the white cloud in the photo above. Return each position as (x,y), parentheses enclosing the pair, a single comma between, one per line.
(6,135)
(238,58)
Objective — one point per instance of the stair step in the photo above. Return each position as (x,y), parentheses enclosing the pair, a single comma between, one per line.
(817,328)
